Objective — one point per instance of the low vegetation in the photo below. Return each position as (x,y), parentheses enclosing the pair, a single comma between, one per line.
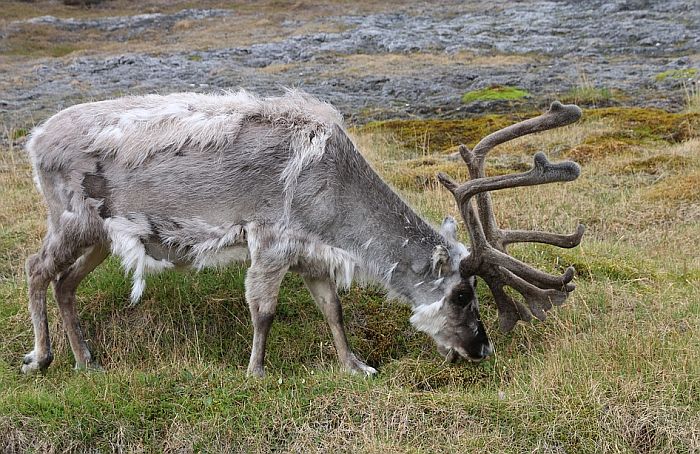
(692,96)
(420,137)
(496,93)
(588,96)
(678,74)
(614,370)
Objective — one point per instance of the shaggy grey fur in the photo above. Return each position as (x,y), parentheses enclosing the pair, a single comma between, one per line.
(205,180)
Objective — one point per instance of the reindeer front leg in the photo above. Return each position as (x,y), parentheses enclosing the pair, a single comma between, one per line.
(326,298)
(262,285)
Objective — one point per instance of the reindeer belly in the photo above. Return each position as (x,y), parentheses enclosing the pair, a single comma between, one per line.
(149,244)
(237,253)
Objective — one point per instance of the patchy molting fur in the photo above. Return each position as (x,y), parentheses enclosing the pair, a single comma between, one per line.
(206,180)
(428,318)
(131,129)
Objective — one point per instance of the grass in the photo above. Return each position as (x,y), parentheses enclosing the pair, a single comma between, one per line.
(691,91)
(614,370)
(587,94)
(496,93)
(421,137)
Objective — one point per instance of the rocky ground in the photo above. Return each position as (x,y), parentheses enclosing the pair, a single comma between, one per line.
(393,62)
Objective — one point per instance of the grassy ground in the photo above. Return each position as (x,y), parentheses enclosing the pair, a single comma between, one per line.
(615,370)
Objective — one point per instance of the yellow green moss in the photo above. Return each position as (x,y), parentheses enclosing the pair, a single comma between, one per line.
(685,73)
(678,188)
(654,164)
(639,124)
(632,126)
(598,147)
(432,136)
(495,93)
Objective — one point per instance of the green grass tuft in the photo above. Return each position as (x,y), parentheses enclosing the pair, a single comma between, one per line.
(587,95)
(18,133)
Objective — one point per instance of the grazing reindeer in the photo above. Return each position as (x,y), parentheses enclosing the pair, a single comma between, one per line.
(206,180)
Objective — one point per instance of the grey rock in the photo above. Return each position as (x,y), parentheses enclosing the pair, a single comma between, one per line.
(619,45)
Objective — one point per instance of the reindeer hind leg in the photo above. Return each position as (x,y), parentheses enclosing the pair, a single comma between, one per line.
(65,286)
(54,256)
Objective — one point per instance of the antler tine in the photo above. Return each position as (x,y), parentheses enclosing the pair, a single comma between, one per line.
(557,116)
(539,300)
(509,309)
(543,172)
(534,236)
(488,255)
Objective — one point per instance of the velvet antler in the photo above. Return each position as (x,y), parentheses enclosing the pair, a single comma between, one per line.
(488,258)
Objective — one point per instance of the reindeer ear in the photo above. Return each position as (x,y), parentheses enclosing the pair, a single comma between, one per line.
(448,229)
(440,264)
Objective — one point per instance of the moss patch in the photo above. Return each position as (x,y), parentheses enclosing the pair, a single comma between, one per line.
(639,124)
(598,147)
(685,73)
(654,164)
(678,188)
(632,126)
(496,93)
(431,136)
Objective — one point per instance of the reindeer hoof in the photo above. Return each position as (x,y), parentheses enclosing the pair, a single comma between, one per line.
(32,363)
(256,372)
(357,367)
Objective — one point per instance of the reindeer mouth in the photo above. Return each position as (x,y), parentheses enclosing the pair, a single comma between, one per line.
(457,354)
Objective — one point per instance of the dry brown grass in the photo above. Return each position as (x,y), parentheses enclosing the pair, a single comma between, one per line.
(17,10)
(21,213)
(419,62)
(613,198)
(615,370)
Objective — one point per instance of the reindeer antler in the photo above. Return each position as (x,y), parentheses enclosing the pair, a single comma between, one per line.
(488,257)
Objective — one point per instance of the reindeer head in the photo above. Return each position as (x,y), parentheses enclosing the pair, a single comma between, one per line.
(456,325)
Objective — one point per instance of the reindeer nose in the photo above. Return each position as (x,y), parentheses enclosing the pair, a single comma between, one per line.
(486,350)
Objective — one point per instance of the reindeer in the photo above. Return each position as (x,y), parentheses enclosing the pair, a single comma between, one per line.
(206,180)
